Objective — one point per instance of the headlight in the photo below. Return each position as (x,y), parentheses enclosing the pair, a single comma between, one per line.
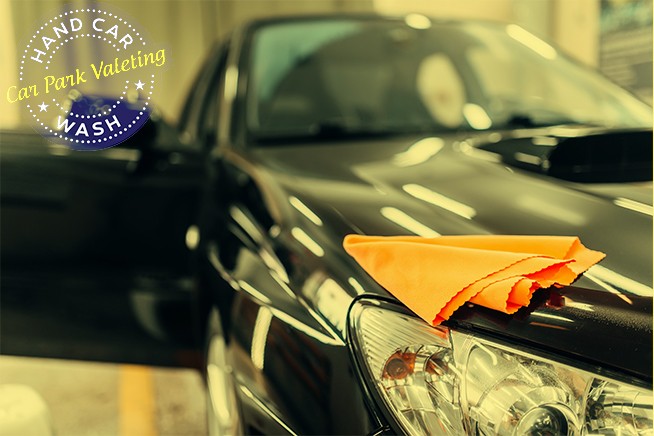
(440,381)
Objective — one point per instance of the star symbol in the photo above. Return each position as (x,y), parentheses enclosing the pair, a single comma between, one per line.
(44,107)
(139,85)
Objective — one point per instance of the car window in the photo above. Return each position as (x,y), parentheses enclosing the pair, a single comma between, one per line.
(308,77)
(192,117)
(523,73)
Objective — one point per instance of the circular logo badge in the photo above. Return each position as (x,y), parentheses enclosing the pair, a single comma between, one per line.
(87,77)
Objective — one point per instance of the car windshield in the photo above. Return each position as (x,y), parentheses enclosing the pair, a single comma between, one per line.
(308,78)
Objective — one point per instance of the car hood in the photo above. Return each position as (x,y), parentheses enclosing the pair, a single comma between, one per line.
(445,186)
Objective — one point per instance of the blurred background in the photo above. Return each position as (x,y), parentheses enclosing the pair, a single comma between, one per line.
(614,36)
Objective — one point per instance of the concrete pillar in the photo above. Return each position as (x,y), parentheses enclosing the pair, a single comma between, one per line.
(576,28)
(9,112)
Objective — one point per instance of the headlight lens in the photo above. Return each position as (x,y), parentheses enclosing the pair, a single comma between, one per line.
(440,381)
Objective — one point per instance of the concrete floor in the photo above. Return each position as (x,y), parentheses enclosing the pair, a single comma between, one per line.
(107,399)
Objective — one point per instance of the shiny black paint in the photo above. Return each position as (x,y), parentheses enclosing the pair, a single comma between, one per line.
(281,278)
(262,251)
(94,264)
(346,185)
(107,207)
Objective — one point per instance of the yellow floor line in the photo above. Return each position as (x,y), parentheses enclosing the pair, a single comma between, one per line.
(136,406)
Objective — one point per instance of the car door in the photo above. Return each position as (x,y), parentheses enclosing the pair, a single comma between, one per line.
(94,260)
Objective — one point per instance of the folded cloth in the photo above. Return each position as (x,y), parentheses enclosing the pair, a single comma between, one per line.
(435,276)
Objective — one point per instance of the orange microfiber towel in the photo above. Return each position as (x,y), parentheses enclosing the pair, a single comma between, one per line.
(435,276)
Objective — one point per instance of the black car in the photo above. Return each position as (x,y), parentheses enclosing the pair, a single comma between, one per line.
(327,126)
(314,128)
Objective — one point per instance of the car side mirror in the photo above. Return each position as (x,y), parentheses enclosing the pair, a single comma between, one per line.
(144,138)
